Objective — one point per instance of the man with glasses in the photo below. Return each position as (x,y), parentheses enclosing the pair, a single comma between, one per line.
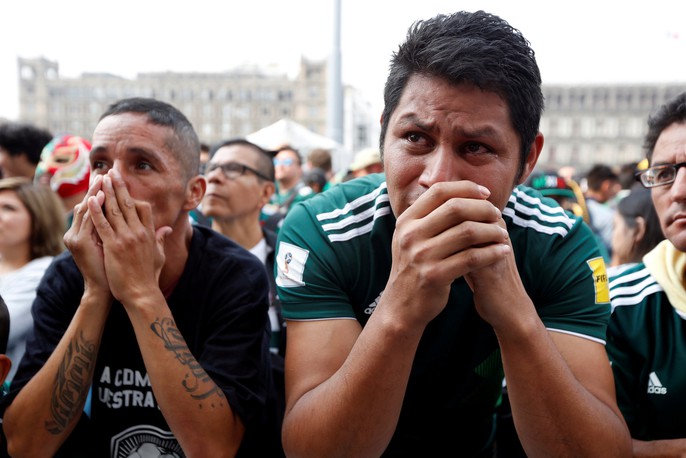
(647,334)
(240,181)
(290,189)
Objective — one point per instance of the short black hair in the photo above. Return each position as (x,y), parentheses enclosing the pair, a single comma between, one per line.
(598,174)
(21,138)
(476,48)
(265,158)
(672,112)
(627,174)
(184,143)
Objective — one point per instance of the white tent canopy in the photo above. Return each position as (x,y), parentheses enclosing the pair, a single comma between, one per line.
(287,131)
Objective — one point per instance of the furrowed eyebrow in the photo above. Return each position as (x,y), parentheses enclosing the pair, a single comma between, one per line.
(412,119)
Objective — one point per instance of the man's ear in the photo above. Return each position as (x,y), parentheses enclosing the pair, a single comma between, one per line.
(531,160)
(640,229)
(5,366)
(195,191)
(267,191)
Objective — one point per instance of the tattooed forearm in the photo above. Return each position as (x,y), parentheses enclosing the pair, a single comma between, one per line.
(197,383)
(71,384)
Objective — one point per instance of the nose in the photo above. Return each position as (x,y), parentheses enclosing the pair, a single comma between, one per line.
(678,188)
(118,168)
(215,175)
(440,165)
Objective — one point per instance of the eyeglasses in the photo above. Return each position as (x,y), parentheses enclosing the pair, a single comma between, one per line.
(660,175)
(287,161)
(233,170)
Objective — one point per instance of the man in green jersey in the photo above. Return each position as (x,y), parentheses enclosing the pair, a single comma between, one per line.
(647,331)
(410,294)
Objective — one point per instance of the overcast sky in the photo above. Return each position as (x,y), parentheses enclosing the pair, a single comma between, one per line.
(576,42)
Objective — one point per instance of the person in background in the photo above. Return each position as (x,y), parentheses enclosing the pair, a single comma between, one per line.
(166,323)
(290,188)
(240,181)
(602,184)
(65,168)
(320,158)
(31,229)
(636,230)
(409,295)
(627,182)
(316,180)
(20,149)
(366,161)
(647,332)
(204,156)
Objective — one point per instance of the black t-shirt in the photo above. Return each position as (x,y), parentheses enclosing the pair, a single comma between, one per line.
(220,307)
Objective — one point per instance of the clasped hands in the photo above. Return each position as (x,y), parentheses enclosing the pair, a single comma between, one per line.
(114,241)
(452,230)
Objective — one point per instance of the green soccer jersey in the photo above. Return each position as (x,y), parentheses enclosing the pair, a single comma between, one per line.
(333,262)
(646,343)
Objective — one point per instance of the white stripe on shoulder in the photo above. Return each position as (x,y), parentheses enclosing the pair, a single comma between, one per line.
(633,289)
(352,205)
(636,299)
(518,195)
(628,278)
(355,218)
(560,222)
(357,231)
(535,225)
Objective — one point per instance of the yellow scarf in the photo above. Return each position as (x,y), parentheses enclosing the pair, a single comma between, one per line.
(668,266)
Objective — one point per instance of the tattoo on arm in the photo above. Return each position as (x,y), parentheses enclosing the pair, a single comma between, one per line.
(196,382)
(71,384)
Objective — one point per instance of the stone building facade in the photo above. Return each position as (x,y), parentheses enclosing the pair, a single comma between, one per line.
(582,124)
(588,124)
(220,105)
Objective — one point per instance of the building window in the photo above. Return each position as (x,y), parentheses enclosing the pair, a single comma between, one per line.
(27,73)
(362,135)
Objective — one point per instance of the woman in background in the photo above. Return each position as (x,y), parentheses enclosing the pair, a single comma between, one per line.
(636,230)
(32,225)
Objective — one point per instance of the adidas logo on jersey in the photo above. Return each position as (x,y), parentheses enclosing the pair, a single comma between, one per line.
(371,307)
(654,385)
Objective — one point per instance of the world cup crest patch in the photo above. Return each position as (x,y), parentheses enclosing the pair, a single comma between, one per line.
(290,262)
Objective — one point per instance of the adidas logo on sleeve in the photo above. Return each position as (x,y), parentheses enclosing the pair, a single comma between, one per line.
(654,385)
